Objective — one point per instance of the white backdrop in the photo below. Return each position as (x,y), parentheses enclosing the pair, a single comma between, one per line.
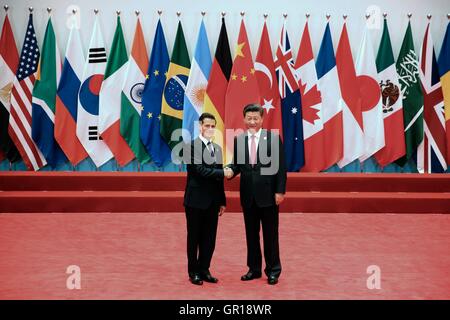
(254,10)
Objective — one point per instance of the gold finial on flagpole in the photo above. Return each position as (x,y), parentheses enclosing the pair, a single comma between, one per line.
(345,16)
(178,14)
(265,15)
(31,9)
(6,7)
(223,14)
(137,12)
(328,16)
(367,16)
(385,15)
(242,14)
(74,11)
(96,11)
(49,10)
(160,12)
(203,13)
(429,16)
(307,15)
(409,15)
(118,12)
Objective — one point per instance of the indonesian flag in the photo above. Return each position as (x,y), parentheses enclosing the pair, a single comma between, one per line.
(313,133)
(351,98)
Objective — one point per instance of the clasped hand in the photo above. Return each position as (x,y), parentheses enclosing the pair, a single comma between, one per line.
(228,172)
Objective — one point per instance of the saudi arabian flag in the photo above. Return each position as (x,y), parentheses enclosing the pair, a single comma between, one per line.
(131,98)
(173,94)
(408,72)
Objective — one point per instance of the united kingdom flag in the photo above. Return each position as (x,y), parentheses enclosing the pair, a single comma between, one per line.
(431,152)
(291,106)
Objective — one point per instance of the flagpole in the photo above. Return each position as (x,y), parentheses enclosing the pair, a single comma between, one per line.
(6,7)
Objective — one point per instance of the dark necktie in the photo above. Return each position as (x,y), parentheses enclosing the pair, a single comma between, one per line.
(211,148)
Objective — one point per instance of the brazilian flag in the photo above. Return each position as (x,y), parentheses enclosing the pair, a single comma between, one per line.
(173,94)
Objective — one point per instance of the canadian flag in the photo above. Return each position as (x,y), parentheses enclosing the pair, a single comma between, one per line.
(313,133)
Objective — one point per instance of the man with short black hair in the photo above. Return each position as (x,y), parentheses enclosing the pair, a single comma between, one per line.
(258,157)
(204,199)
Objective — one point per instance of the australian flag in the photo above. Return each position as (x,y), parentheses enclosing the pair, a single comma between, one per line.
(291,106)
(151,100)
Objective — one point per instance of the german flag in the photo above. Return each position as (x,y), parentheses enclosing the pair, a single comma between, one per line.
(214,102)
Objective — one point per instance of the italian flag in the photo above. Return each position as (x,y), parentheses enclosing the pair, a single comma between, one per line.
(109,101)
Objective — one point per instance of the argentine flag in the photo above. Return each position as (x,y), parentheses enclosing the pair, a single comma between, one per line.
(196,86)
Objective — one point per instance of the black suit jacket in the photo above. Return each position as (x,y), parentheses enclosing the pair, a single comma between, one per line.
(204,185)
(259,182)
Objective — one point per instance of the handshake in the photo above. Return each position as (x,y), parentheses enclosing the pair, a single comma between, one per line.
(228,172)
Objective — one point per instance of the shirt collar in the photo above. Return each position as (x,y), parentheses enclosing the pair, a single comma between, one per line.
(257,134)
(204,140)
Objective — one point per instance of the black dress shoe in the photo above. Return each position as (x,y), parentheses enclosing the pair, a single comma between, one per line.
(272,280)
(195,279)
(209,278)
(251,275)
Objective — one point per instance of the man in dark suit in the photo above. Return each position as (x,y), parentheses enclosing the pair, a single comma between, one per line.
(259,157)
(204,199)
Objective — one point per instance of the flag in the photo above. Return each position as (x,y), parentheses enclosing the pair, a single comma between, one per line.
(88,100)
(218,83)
(196,86)
(67,100)
(313,133)
(291,107)
(20,113)
(44,100)
(394,134)
(131,95)
(431,153)
(408,72)
(351,99)
(444,71)
(110,99)
(371,106)
(328,83)
(173,94)
(267,84)
(151,100)
(242,90)
(9,60)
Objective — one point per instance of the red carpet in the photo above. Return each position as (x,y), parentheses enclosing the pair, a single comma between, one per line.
(163,192)
(142,256)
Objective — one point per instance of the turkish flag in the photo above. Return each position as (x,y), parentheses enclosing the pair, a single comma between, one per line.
(268,84)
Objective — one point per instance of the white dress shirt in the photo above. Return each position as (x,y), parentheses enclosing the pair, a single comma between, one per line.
(257,136)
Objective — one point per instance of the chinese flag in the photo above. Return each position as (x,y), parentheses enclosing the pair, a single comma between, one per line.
(242,90)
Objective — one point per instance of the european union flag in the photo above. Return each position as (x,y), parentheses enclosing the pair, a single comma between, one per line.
(151,100)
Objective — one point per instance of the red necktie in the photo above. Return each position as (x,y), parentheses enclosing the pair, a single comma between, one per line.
(253,150)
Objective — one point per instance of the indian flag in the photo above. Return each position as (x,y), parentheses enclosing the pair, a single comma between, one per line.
(131,97)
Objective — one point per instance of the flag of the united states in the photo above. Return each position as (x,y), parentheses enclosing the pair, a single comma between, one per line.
(20,113)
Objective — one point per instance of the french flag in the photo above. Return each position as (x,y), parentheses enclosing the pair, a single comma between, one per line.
(67,100)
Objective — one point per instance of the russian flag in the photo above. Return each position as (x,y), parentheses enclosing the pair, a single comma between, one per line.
(67,100)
